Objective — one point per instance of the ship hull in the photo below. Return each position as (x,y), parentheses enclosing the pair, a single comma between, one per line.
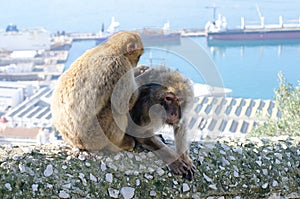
(253,36)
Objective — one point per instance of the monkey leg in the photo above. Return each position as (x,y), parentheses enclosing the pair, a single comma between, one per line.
(176,163)
(119,140)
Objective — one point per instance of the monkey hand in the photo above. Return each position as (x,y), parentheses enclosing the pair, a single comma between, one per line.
(183,166)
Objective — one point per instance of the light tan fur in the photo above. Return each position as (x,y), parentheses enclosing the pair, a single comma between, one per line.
(81,105)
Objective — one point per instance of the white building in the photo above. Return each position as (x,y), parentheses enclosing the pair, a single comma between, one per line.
(13,93)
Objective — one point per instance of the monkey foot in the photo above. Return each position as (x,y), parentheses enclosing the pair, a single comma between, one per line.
(128,143)
(183,167)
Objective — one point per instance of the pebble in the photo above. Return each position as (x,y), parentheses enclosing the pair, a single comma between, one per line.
(235,174)
(48,171)
(152,193)
(259,162)
(16,157)
(148,176)
(22,168)
(185,187)
(81,157)
(34,187)
(109,177)
(63,194)
(138,182)
(8,186)
(275,183)
(160,171)
(103,166)
(225,162)
(264,186)
(87,164)
(27,150)
(127,192)
(93,178)
(208,179)
(114,193)
(67,186)
(81,176)
(213,186)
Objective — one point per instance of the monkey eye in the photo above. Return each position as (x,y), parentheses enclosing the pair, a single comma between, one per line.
(169,98)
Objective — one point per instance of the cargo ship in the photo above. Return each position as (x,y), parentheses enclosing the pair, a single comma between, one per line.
(150,36)
(217,32)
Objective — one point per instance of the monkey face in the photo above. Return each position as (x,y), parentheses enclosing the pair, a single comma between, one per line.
(172,106)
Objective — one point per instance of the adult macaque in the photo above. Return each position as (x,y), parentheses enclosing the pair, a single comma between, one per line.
(81,103)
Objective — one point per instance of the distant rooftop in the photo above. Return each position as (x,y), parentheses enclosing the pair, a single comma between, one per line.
(211,116)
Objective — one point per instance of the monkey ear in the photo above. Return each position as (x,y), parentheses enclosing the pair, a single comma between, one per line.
(131,47)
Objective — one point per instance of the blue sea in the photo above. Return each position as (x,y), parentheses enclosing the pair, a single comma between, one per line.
(250,71)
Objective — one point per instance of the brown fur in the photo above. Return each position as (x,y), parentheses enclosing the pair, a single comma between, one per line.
(81,105)
(164,87)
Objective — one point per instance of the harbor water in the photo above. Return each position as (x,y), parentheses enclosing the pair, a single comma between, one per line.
(249,70)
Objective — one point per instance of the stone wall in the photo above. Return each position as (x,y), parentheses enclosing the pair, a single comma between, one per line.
(250,168)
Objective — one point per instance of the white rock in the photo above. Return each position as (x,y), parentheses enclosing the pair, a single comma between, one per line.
(81,157)
(48,171)
(185,187)
(127,192)
(109,177)
(130,155)
(208,179)
(278,155)
(225,161)
(67,186)
(113,167)
(275,183)
(49,186)
(152,193)
(34,187)
(103,166)
(27,150)
(160,171)
(148,176)
(117,157)
(138,182)
(151,170)
(22,168)
(264,186)
(235,174)
(138,158)
(150,154)
(259,162)
(114,193)
(16,157)
(64,167)
(81,176)
(213,186)
(93,178)
(8,186)
(63,194)
(265,172)
(87,164)
(200,158)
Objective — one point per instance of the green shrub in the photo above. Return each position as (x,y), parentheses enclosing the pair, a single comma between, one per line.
(287,100)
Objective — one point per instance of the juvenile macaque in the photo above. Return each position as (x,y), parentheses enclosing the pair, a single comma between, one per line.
(164,101)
